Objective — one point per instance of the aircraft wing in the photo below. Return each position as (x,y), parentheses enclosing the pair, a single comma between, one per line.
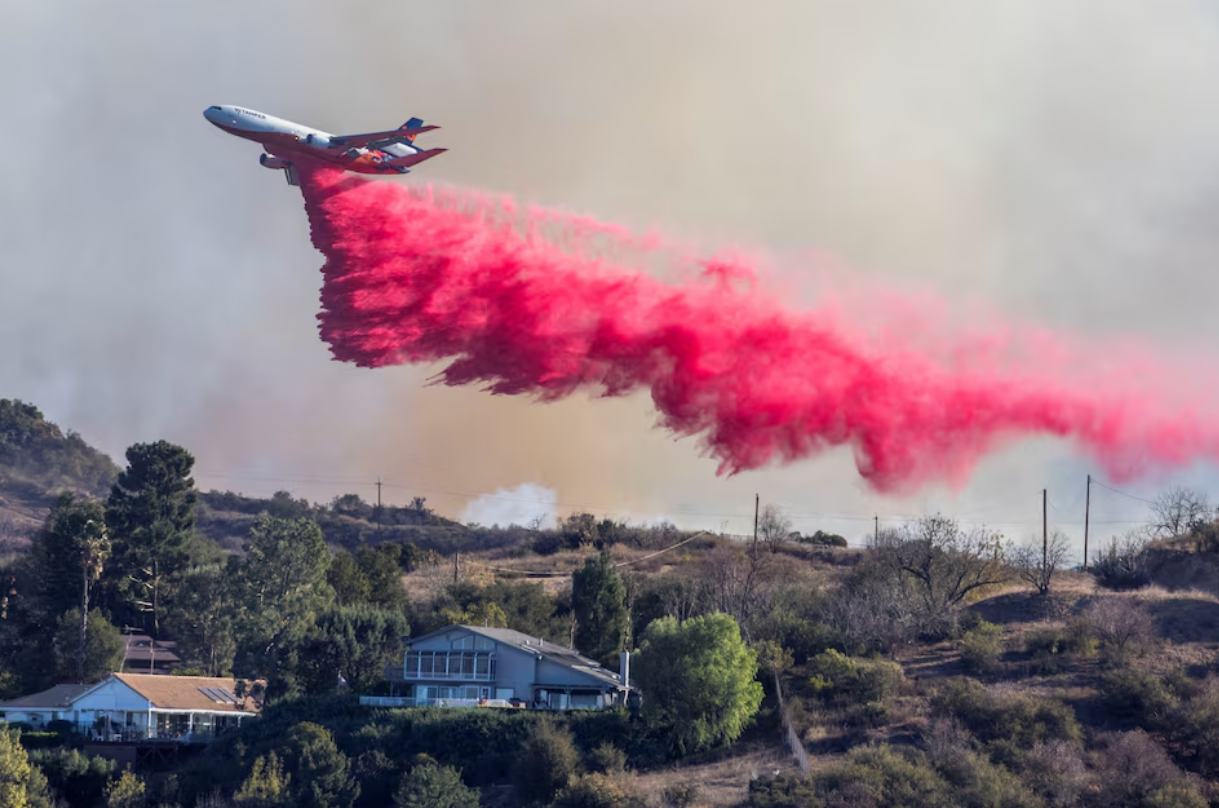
(392,136)
(413,159)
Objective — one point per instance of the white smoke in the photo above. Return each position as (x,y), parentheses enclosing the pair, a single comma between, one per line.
(527,505)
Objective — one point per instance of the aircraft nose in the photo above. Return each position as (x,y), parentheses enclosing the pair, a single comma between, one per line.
(212,113)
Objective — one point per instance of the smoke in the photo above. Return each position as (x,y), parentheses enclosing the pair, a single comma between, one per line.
(1052,157)
(525,505)
(423,276)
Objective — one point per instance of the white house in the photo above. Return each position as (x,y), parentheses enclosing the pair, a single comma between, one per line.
(469,665)
(131,706)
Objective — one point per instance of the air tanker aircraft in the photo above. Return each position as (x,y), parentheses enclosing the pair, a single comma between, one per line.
(390,152)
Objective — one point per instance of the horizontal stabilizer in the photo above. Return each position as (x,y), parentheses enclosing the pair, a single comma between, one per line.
(392,136)
(414,159)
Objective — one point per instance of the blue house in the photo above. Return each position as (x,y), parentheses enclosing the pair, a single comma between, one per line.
(470,666)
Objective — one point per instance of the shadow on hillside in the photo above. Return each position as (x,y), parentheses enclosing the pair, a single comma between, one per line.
(1185,619)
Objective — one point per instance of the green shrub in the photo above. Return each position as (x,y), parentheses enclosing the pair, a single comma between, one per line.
(549,761)
(1007,724)
(857,680)
(885,777)
(596,791)
(981,647)
(680,795)
(1137,696)
(608,759)
(1176,795)
(783,791)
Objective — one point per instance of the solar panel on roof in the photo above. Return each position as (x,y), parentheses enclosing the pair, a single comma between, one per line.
(219,695)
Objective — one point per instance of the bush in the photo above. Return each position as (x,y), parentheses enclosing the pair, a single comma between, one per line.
(596,791)
(681,795)
(857,680)
(549,761)
(885,777)
(1121,623)
(1123,564)
(1193,730)
(1050,646)
(608,759)
(1142,698)
(981,647)
(783,791)
(1007,724)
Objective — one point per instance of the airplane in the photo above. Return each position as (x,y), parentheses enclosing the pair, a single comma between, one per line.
(391,152)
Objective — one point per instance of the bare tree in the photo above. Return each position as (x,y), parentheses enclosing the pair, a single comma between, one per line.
(774,527)
(1176,511)
(1036,565)
(1120,622)
(947,562)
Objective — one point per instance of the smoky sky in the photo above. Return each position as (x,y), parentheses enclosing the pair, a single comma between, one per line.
(1054,159)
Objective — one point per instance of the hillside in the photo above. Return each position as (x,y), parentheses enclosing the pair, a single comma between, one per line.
(37,461)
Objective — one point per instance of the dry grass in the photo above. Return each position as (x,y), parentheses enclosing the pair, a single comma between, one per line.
(722,783)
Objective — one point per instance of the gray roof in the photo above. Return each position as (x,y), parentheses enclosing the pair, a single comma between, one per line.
(57,697)
(536,645)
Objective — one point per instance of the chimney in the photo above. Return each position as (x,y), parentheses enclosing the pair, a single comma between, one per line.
(625,668)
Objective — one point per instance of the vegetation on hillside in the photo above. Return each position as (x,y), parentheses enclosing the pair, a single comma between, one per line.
(38,460)
(939,666)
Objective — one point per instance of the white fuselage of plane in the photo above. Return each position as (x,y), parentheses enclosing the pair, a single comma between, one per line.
(390,152)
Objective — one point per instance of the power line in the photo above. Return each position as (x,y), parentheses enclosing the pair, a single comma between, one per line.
(1122,493)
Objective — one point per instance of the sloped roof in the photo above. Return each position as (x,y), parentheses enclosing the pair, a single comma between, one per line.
(142,648)
(186,692)
(59,696)
(536,645)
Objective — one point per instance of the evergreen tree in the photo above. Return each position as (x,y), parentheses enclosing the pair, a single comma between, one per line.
(280,588)
(432,786)
(151,516)
(266,786)
(598,598)
(126,792)
(102,654)
(320,773)
(355,642)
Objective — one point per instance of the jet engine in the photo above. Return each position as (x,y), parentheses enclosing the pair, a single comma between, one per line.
(273,162)
(317,141)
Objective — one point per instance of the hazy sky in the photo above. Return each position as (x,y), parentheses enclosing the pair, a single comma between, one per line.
(1055,158)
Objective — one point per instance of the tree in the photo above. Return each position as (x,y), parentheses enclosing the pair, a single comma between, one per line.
(1178,510)
(126,792)
(1037,567)
(355,642)
(548,761)
(151,514)
(68,555)
(598,598)
(431,786)
(102,654)
(698,681)
(203,618)
(320,773)
(22,785)
(1121,623)
(774,527)
(280,587)
(266,786)
(946,562)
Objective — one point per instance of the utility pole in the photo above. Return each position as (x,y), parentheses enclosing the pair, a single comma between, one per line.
(455,557)
(1087,515)
(1044,531)
(757,502)
(876,530)
(378,508)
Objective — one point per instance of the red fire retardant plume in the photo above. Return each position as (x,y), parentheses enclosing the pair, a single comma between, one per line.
(413,275)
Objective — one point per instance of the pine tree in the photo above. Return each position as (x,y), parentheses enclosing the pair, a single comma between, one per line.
(598,598)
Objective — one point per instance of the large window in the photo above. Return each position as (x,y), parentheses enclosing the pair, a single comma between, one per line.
(474,666)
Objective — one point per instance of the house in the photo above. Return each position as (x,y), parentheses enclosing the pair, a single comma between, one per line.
(133,706)
(143,654)
(470,665)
